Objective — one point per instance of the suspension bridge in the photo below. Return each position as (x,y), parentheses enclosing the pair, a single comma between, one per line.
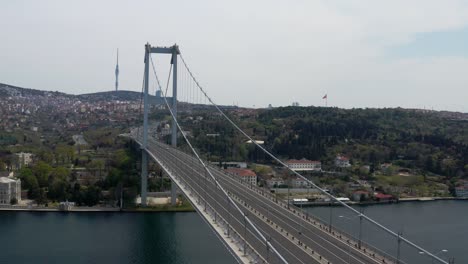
(253,224)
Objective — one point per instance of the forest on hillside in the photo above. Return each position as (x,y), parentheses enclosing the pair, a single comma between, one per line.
(415,139)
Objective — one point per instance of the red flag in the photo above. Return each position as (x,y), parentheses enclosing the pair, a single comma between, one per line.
(325,96)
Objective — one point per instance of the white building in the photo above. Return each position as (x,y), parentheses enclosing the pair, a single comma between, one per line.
(66,206)
(274,182)
(342,161)
(246,175)
(9,189)
(24,159)
(300,183)
(304,165)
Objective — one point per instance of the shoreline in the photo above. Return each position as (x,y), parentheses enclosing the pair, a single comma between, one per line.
(401,200)
(99,210)
(189,210)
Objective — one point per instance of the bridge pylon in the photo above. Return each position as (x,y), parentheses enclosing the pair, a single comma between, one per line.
(174,51)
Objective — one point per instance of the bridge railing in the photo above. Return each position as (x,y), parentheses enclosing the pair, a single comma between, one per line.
(210,213)
(366,248)
(222,222)
(351,240)
(315,255)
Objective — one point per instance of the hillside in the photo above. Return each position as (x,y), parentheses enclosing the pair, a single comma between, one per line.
(370,136)
(7,90)
(426,142)
(112,95)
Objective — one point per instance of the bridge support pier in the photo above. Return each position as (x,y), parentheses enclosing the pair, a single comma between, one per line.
(144,177)
(173,193)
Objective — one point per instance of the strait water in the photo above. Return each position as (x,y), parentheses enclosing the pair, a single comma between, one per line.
(101,238)
(184,238)
(434,225)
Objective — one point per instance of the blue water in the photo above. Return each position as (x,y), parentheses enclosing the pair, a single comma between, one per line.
(184,238)
(108,238)
(434,225)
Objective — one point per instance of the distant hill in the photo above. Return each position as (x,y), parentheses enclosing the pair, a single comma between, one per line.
(10,90)
(112,95)
(7,90)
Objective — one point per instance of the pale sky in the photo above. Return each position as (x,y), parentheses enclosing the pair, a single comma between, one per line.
(366,53)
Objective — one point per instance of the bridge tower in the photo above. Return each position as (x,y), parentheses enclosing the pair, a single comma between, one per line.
(174,51)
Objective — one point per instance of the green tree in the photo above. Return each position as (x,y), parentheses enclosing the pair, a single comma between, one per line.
(58,190)
(41,196)
(60,173)
(92,196)
(113,177)
(42,170)
(95,166)
(33,188)
(27,177)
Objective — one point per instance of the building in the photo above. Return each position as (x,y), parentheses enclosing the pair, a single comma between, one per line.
(360,196)
(246,175)
(66,206)
(230,164)
(304,165)
(342,161)
(24,159)
(300,183)
(274,182)
(383,197)
(462,191)
(9,189)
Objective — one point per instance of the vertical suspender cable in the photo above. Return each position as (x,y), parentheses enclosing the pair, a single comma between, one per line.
(246,219)
(300,175)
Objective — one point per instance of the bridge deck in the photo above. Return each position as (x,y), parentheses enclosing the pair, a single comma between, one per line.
(299,238)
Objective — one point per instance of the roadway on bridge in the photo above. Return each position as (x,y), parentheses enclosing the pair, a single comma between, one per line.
(311,237)
(216,198)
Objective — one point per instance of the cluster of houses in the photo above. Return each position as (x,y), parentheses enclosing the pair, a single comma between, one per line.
(246,175)
(303,165)
(20,110)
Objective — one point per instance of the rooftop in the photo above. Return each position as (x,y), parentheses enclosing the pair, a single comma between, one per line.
(383,196)
(241,172)
(302,161)
(340,157)
(6,180)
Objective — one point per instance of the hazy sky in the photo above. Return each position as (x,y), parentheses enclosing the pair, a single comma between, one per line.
(366,53)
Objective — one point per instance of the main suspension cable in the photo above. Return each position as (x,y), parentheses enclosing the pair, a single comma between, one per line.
(300,175)
(267,242)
